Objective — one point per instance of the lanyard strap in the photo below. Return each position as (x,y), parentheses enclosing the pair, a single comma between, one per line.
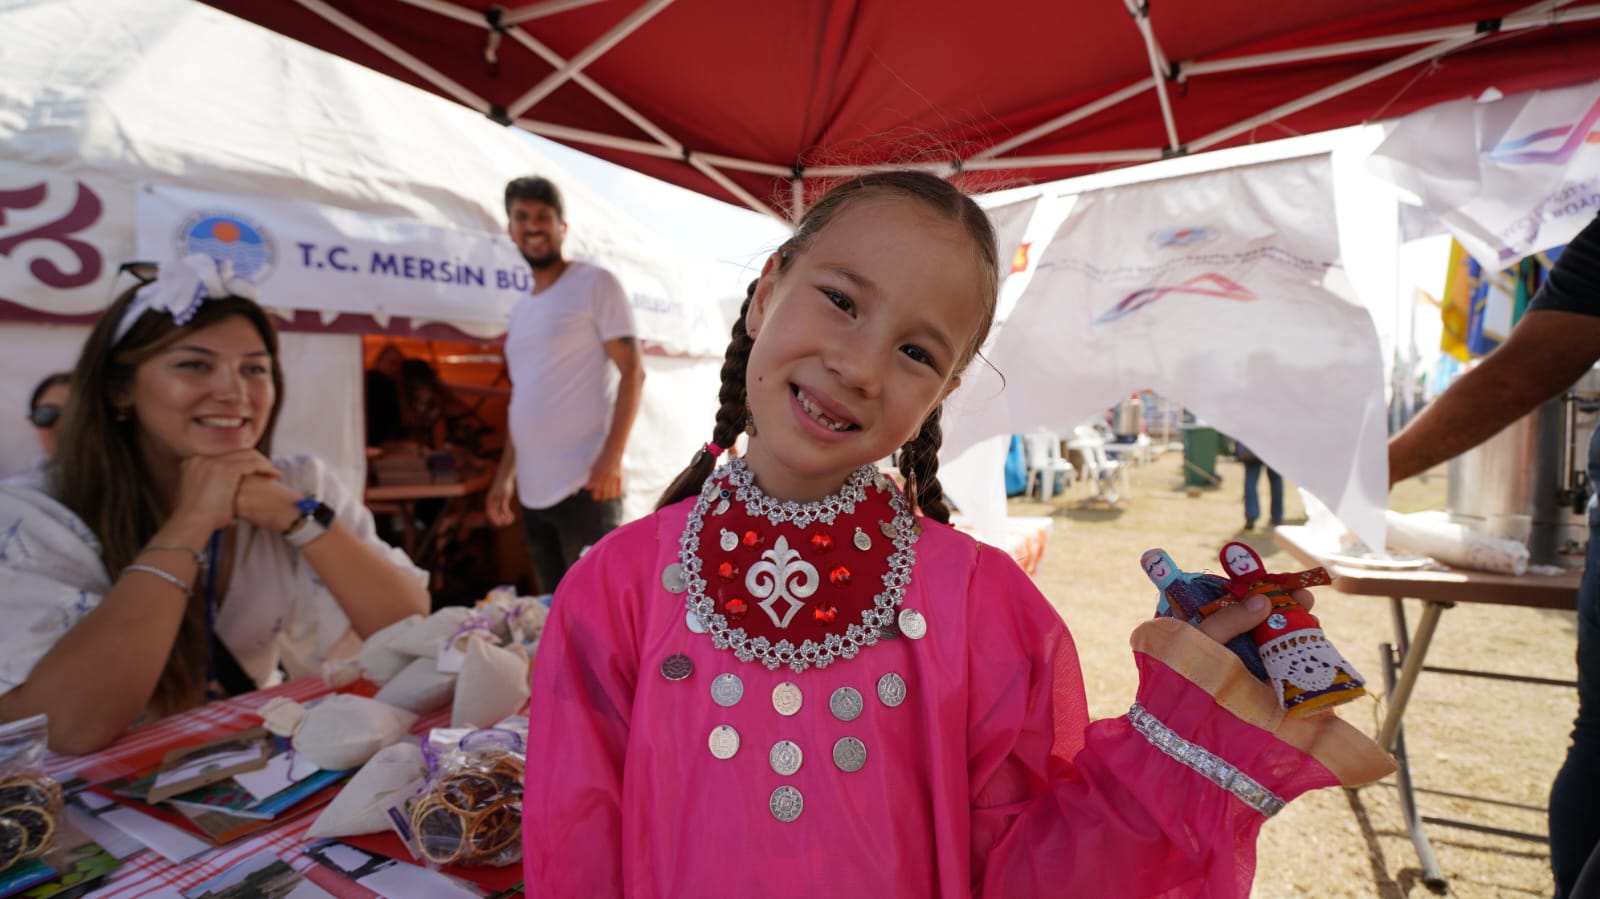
(213,553)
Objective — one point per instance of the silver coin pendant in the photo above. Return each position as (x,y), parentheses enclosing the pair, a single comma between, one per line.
(724,741)
(845,703)
(912,624)
(727,689)
(672,578)
(785,757)
(786,803)
(850,754)
(786,698)
(891,689)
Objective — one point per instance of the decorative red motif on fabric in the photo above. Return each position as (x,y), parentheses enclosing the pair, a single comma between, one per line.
(839,594)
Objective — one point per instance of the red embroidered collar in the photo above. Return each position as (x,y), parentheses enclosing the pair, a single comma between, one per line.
(797,584)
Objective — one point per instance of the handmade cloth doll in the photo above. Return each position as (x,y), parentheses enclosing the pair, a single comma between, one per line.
(1302,665)
(1191,597)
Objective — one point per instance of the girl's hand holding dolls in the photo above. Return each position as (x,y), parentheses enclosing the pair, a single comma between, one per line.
(1238,618)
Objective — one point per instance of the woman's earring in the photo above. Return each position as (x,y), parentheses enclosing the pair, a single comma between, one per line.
(749,421)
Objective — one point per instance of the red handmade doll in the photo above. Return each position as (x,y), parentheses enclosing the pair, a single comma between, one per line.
(1303,666)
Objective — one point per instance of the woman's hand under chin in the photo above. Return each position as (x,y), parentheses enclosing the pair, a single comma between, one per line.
(267,502)
(209,488)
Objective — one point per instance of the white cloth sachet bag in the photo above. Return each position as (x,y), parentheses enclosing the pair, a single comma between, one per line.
(341,732)
(424,638)
(493,684)
(380,660)
(359,807)
(419,687)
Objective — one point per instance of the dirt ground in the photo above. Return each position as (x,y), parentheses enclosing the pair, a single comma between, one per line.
(1482,751)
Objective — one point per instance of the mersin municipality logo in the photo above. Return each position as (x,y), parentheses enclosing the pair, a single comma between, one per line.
(1571,137)
(232,237)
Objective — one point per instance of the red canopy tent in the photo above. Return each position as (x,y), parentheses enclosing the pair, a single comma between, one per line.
(756,103)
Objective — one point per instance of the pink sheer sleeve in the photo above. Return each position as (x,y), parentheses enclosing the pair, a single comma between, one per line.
(1115,814)
(578,724)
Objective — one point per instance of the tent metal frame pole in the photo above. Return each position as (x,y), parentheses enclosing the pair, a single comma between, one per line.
(744,165)
(1426,54)
(412,64)
(797,197)
(728,185)
(449,11)
(1158,69)
(595,138)
(540,10)
(1153,154)
(1062,121)
(605,96)
(1520,21)
(588,55)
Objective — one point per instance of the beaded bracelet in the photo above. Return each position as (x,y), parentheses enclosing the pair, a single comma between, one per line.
(199,557)
(167,576)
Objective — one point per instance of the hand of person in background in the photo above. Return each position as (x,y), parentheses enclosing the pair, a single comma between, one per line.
(498,504)
(605,479)
(208,488)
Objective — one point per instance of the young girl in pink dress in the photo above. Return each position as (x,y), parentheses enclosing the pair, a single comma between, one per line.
(796,680)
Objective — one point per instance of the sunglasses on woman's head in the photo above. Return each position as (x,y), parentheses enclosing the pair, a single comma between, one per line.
(45,416)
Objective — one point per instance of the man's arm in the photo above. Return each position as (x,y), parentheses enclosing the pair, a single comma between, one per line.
(501,489)
(1546,352)
(605,479)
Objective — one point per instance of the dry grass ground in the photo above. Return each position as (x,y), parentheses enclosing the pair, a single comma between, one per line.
(1482,750)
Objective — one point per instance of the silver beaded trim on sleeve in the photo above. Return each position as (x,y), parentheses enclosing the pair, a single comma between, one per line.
(1207,765)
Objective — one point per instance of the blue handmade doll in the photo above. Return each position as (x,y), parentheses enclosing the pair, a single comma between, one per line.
(1191,597)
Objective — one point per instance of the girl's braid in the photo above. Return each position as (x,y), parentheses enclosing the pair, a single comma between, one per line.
(730,414)
(919,465)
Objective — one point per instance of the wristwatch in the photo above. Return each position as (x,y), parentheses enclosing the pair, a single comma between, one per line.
(315,519)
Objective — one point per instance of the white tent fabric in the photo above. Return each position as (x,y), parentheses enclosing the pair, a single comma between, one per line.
(124,121)
(1510,177)
(1212,290)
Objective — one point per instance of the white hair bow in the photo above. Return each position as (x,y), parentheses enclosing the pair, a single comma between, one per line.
(181,287)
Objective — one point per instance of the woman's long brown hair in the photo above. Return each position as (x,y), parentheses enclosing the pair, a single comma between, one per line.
(98,472)
(919,458)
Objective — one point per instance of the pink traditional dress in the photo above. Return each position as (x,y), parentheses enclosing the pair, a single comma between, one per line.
(738,696)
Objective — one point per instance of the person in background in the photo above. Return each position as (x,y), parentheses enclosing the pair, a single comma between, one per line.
(1548,350)
(576,380)
(385,418)
(45,408)
(165,558)
(1252,480)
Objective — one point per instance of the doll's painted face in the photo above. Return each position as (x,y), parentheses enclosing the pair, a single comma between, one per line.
(1158,567)
(1239,560)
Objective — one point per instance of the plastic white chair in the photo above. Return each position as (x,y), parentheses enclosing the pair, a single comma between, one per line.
(1042,450)
(1107,475)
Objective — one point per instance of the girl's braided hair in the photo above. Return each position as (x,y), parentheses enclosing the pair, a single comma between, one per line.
(919,457)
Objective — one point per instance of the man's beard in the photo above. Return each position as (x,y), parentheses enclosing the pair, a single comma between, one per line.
(544,261)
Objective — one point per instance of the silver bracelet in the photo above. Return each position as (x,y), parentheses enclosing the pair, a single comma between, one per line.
(167,576)
(199,557)
(1209,766)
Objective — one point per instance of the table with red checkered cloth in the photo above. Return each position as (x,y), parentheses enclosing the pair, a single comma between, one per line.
(147,873)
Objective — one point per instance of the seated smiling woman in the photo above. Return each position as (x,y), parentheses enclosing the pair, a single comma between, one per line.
(164,558)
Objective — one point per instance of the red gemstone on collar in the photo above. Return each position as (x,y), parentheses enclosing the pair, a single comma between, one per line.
(752,539)
(727,571)
(825,612)
(821,542)
(839,577)
(735,608)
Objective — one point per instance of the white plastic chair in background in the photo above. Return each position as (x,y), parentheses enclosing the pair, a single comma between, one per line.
(1042,450)
(1108,476)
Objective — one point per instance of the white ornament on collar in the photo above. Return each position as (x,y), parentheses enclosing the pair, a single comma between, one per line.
(180,289)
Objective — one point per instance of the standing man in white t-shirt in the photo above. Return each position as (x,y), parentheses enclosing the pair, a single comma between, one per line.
(576,378)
